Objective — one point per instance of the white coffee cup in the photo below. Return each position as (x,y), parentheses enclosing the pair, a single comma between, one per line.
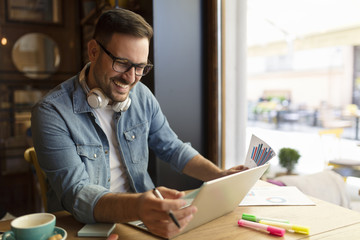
(37,226)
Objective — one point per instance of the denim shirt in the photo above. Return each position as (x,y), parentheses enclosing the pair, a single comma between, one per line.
(73,150)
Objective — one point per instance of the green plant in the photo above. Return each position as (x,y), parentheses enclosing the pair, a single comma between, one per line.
(288,158)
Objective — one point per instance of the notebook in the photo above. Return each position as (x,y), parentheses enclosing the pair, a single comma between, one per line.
(96,230)
(218,197)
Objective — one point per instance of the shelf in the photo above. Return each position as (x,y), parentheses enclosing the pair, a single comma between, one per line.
(91,15)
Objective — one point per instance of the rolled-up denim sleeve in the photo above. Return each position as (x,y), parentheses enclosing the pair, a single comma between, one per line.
(166,144)
(64,168)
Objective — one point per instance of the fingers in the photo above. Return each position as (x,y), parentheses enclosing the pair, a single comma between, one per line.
(169,199)
(236,169)
(163,215)
(167,228)
(184,213)
(154,212)
(241,167)
(158,209)
(113,237)
(170,193)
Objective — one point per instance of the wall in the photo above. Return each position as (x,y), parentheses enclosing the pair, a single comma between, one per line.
(65,34)
(178,77)
(17,95)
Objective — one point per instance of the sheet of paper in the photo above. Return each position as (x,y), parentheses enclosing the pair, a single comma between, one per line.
(259,153)
(273,195)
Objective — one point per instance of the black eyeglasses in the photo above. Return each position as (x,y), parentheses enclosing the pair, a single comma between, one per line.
(122,65)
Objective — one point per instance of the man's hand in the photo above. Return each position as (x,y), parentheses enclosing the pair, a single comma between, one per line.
(113,237)
(233,170)
(154,212)
(203,169)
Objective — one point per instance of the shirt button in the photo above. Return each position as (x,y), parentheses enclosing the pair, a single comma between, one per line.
(108,179)
(95,155)
(106,151)
(133,137)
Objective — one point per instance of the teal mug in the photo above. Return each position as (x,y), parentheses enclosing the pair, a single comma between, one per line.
(37,226)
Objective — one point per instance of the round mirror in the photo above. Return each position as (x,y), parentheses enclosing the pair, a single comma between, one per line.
(36,55)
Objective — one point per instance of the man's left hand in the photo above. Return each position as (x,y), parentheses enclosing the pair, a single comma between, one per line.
(233,170)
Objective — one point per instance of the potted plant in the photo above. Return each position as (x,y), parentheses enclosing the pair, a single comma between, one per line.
(288,158)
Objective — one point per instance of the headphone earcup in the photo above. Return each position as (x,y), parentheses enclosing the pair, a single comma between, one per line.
(121,106)
(97,99)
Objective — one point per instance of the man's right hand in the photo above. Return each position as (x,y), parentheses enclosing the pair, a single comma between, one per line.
(154,212)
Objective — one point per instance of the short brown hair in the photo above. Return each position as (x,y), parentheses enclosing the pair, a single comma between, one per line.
(121,21)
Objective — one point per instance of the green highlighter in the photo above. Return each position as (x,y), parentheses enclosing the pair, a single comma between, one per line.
(253,218)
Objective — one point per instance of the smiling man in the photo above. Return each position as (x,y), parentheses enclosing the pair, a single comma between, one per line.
(92,134)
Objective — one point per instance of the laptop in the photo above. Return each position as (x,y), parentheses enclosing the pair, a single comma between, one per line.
(218,197)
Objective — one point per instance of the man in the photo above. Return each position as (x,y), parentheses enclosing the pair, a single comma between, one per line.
(93,131)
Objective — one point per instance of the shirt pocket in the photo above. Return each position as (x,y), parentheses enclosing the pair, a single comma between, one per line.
(93,158)
(136,139)
(91,152)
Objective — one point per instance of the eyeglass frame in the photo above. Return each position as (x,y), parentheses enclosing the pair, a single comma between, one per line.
(149,64)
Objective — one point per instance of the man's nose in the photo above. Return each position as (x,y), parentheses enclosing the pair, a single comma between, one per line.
(129,75)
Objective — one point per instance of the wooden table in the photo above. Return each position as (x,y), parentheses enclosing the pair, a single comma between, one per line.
(326,221)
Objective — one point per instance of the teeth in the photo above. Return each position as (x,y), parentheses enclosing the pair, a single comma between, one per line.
(120,85)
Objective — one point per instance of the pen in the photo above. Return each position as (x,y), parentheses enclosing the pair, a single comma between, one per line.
(253,218)
(270,229)
(173,218)
(287,226)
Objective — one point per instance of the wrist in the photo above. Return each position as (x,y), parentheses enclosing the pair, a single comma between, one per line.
(117,207)
(137,205)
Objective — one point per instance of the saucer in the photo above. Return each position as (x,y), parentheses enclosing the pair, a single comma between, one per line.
(57,230)
(61,231)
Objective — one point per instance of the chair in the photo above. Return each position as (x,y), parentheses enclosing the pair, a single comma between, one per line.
(334,154)
(353,189)
(326,185)
(330,118)
(30,156)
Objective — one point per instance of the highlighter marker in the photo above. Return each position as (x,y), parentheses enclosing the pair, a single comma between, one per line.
(270,229)
(254,218)
(287,226)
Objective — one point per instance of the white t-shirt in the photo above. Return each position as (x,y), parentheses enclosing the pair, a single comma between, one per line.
(119,181)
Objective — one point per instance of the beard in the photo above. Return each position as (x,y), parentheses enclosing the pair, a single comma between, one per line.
(110,89)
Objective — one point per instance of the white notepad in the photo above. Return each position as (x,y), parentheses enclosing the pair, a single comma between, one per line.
(96,230)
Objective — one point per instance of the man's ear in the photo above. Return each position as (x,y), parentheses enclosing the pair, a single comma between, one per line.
(93,50)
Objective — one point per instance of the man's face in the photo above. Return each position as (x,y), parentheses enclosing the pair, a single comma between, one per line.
(117,85)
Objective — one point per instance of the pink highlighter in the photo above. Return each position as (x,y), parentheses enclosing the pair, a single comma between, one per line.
(270,229)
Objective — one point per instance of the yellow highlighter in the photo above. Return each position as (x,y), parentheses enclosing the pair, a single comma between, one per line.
(287,226)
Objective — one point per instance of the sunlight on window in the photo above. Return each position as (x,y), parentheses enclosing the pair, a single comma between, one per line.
(300,52)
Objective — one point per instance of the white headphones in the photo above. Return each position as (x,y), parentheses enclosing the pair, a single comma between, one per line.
(96,97)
